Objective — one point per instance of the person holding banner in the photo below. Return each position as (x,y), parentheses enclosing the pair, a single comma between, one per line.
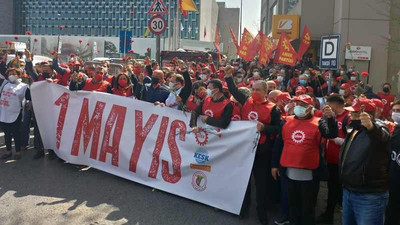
(216,110)
(79,81)
(12,94)
(123,86)
(298,153)
(199,92)
(268,117)
(153,92)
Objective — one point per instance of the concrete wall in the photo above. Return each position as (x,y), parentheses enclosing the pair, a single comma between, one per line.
(208,19)
(393,72)
(317,15)
(365,23)
(7,15)
(228,17)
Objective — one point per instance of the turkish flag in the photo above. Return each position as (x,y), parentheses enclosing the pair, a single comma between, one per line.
(245,43)
(267,47)
(285,53)
(304,43)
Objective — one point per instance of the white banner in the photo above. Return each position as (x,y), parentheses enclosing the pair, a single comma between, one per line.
(358,53)
(147,144)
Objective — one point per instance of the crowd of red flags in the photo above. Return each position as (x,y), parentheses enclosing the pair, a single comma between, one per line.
(282,53)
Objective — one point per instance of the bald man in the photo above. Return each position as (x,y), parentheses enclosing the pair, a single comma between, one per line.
(156,91)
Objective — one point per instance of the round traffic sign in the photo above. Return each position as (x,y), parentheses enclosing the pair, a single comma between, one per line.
(157,25)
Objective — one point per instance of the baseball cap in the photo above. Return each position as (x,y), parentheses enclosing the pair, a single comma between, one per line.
(359,103)
(304,98)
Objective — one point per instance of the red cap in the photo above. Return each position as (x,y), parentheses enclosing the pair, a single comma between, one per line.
(378,103)
(345,86)
(301,89)
(353,74)
(63,65)
(310,89)
(304,98)
(284,96)
(45,63)
(359,103)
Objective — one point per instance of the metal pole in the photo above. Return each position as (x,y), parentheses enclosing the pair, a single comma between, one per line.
(169,25)
(177,26)
(158,44)
(125,41)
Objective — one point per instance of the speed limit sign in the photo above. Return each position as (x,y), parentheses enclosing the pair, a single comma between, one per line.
(157,25)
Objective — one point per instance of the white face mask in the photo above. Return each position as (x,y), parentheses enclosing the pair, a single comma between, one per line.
(12,78)
(239,80)
(203,76)
(280,79)
(209,92)
(396,117)
(171,85)
(341,72)
(341,92)
(286,108)
(300,111)
(353,78)
(256,74)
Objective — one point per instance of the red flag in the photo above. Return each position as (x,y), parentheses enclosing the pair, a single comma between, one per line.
(184,12)
(234,38)
(255,45)
(205,31)
(217,44)
(285,53)
(245,43)
(267,47)
(304,43)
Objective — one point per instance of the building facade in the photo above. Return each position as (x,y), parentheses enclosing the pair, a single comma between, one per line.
(228,18)
(95,17)
(361,22)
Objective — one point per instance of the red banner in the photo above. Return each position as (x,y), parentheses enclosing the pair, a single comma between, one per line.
(267,47)
(304,43)
(245,43)
(285,53)
(234,38)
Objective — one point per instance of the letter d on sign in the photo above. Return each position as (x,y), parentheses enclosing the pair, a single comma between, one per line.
(329,48)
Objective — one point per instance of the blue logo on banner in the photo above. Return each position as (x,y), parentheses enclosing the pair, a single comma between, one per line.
(201,156)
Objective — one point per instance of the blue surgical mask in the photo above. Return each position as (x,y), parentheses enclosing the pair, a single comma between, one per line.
(209,92)
(300,111)
(171,85)
(303,82)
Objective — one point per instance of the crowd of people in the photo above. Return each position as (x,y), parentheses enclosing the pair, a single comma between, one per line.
(314,126)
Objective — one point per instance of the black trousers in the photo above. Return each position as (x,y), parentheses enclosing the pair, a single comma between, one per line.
(393,208)
(12,130)
(334,189)
(266,186)
(37,140)
(302,196)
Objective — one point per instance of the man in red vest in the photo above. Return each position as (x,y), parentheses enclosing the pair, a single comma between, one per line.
(297,150)
(81,82)
(268,117)
(216,110)
(332,149)
(387,99)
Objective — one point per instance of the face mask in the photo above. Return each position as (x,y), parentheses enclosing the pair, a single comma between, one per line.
(239,80)
(155,80)
(203,76)
(209,92)
(355,124)
(341,92)
(350,70)
(353,78)
(280,79)
(386,90)
(171,85)
(236,67)
(136,71)
(256,74)
(122,83)
(256,96)
(300,111)
(286,108)
(342,72)
(303,82)
(396,117)
(12,78)
(46,75)
(98,77)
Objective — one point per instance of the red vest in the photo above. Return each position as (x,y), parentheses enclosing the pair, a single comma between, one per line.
(387,99)
(332,149)
(236,111)
(109,79)
(190,104)
(126,92)
(301,140)
(90,86)
(213,109)
(318,113)
(258,112)
(293,83)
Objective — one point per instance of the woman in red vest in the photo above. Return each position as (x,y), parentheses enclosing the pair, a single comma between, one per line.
(298,152)
(268,117)
(215,110)
(123,86)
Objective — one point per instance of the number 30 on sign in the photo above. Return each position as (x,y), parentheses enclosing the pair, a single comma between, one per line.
(157,25)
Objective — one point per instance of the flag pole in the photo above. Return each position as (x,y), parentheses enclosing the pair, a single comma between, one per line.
(169,25)
(178,27)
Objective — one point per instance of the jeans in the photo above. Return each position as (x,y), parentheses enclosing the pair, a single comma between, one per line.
(363,208)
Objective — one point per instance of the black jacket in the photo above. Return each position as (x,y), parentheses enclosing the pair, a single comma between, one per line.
(394,167)
(363,167)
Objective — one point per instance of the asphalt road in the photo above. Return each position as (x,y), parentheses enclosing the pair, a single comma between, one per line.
(49,192)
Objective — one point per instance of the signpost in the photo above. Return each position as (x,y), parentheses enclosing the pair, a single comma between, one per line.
(157,8)
(329,58)
(125,37)
(157,26)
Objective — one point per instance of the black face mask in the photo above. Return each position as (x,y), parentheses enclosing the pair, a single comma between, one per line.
(386,90)
(155,80)
(355,124)
(46,75)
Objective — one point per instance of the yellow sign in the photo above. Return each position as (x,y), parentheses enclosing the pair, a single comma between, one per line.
(285,23)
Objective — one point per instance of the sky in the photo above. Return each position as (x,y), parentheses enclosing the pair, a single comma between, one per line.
(251,13)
